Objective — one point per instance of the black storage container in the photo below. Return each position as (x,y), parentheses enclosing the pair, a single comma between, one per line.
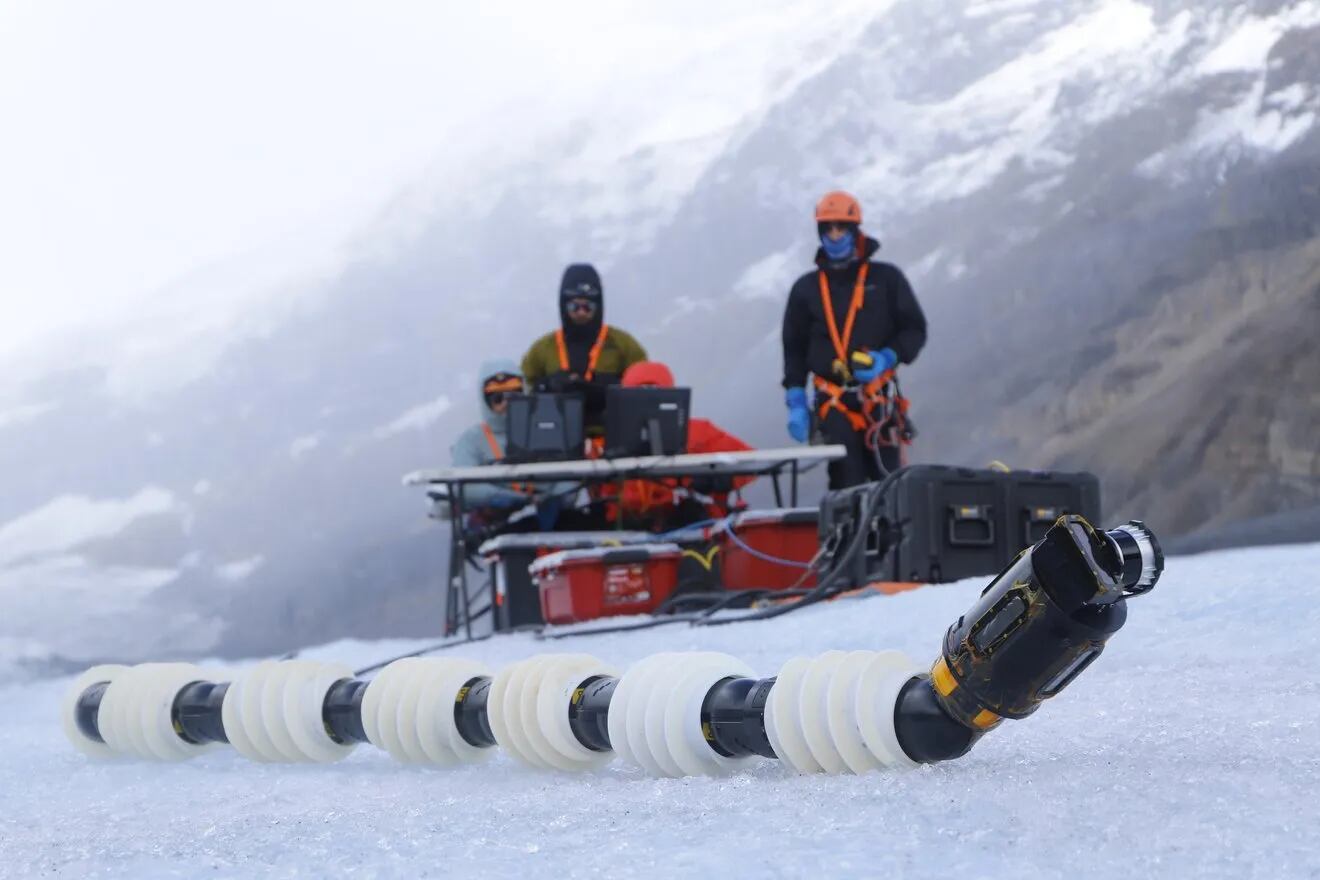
(838,523)
(937,523)
(947,523)
(1037,499)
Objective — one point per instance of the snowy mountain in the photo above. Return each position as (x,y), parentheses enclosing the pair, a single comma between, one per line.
(1126,773)
(1108,207)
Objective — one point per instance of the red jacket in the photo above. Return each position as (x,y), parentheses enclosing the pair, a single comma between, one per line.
(643,498)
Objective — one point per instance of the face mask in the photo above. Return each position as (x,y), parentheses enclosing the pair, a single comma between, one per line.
(840,248)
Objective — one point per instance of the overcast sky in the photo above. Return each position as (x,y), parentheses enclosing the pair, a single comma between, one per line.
(148,142)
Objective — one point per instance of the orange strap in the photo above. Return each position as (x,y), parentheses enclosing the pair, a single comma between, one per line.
(872,395)
(493,442)
(833,395)
(858,297)
(592,357)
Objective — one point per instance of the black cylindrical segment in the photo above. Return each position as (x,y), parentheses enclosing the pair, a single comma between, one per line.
(470,713)
(1131,551)
(197,712)
(88,709)
(589,712)
(1037,625)
(925,730)
(733,717)
(341,711)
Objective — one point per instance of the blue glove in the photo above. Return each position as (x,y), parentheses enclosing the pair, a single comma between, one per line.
(799,418)
(884,359)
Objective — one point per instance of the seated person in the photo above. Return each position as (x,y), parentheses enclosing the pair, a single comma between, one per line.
(671,503)
(492,504)
(584,354)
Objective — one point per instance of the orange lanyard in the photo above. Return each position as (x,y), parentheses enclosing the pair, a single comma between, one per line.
(592,357)
(492,442)
(496,451)
(858,297)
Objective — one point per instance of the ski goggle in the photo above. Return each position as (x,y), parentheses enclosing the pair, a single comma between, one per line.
(498,387)
(580,306)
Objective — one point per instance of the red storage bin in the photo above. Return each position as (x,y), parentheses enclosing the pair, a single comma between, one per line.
(514,597)
(786,533)
(579,585)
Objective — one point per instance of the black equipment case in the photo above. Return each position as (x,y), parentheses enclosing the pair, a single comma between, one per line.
(936,523)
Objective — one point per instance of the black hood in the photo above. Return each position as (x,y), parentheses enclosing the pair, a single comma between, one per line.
(581,281)
(869,247)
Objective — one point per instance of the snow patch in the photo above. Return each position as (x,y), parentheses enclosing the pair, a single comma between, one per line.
(241,569)
(769,277)
(1290,99)
(303,445)
(22,415)
(115,614)
(419,417)
(1248,47)
(72,520)
(986,8)
(1012,115)
(683,306)
(1253,125)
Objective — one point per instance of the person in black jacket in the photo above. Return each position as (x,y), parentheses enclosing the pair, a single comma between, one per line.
(849,324)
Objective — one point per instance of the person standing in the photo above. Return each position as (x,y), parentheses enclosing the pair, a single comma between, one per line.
(847,325)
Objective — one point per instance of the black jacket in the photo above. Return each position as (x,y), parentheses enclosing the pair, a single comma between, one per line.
(889,317)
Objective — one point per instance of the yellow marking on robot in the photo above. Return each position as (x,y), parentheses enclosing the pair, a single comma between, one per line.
(943,679)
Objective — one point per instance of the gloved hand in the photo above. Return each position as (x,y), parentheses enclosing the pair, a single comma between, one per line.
(882,360)
(799,417)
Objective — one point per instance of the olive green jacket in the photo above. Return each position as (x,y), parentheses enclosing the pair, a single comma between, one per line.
(619,352)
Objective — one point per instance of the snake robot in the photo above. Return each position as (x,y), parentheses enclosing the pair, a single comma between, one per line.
(1032,631)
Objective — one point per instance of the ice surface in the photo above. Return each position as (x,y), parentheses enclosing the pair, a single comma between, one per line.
(1191,749)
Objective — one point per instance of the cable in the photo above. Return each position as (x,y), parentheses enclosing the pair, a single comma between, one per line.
(825,587)
(622,627)
(430,649)
(696,528)
(764,557)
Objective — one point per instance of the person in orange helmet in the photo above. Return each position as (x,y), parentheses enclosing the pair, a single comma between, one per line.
(656,504)
(847,325)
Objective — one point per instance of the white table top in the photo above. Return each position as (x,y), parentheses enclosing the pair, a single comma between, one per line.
(731,463)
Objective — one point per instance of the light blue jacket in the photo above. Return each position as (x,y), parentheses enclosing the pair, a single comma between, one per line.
(471,449)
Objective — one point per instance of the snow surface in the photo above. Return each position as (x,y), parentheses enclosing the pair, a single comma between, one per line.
(1192,748)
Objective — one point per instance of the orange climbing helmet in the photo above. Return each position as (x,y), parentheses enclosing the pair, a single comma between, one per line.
(838,207)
